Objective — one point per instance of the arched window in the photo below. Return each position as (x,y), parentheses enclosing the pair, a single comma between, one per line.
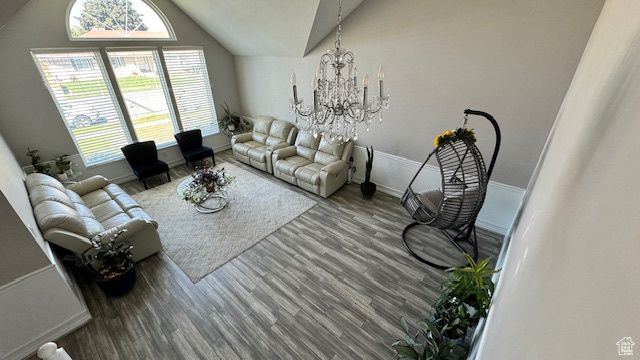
(117,20)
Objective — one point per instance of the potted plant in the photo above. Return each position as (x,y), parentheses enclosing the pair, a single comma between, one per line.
(427,344)
(367,187)
(35,162)
(111,263)
(233,122)
(62,166)
(465,298)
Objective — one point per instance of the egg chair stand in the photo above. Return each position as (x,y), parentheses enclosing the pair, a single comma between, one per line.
(453,208)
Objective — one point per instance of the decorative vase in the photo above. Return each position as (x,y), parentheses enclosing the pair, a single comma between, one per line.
(120,284)
(368,189)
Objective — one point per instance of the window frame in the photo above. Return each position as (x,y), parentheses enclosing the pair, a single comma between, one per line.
(121,107)
(165,21)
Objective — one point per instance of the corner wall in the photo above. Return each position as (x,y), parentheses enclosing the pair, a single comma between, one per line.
(568,288)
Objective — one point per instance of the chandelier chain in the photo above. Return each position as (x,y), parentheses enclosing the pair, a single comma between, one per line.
(338,35)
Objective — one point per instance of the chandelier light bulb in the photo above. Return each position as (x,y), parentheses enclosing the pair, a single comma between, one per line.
(315,82)
(380,73)
(365,81)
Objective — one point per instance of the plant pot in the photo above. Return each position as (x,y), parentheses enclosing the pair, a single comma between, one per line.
(120,284)
(368,189)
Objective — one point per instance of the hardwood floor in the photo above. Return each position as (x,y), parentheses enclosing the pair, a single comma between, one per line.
(331,284)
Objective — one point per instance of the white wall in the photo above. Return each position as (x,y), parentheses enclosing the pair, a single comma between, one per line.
(568,288)
(29,117)
(513,59)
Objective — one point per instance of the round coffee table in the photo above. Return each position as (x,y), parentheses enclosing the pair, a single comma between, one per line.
(214,201)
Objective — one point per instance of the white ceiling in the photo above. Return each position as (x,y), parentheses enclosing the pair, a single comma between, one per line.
(267,27)
(8,8)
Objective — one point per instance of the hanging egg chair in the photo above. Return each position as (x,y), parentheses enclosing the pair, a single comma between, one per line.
(453,207)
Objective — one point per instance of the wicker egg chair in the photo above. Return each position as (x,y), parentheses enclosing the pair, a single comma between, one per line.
(464,178)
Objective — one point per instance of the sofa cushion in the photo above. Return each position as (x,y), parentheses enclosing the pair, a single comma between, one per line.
(309,173)
(96,198)
(49,193)
(52,214)
(307,145)
(328,153)
(123,199)
(106,211)
(289,165)
(35,180)
(261,129)
(279,132)
(244,147)
(258,153)
(116,220)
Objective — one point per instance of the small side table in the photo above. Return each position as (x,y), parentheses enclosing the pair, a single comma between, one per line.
(72,179)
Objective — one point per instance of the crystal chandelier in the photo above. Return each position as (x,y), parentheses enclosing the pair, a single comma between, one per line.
(338,104)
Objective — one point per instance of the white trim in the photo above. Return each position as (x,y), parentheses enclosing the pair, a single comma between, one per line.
(392,175)
(64,329)
(41,289)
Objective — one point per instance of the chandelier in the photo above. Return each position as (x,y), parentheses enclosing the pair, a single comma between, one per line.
(338,104)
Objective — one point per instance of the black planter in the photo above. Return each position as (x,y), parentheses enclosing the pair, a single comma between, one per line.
(368,189)
(119,285)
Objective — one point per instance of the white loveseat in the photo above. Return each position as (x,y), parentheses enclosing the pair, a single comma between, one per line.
(255,148)
(70,217)
(313,164)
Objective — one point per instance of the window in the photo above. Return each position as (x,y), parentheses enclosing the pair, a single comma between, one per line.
(117,19)
(190,81)
(87,97)
(86,100)
(144,89)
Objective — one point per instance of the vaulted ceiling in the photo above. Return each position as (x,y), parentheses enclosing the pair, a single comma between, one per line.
(253,27)
(8,8)
(267,27)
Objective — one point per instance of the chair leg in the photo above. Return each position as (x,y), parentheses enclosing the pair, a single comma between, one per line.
(214,160)
(168,177)
(145,184)
(186,162)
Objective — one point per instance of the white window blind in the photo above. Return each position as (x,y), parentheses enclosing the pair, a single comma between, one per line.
(144,89)
(79,85)
(190,82)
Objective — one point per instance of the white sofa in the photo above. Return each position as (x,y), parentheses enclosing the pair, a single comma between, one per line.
(313,164)
(255,148)
(70,217)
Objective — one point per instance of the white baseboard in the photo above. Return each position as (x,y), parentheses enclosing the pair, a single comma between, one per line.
(41,307)
(392,174)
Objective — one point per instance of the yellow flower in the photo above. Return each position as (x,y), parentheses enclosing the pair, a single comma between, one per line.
(449,133)
(436,141)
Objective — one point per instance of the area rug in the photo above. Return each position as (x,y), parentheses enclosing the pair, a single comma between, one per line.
(200,243)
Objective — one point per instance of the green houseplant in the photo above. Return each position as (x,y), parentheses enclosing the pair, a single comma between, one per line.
(427,344)
(35,162)
(111,263)
(465,298)
(232,122)
(367,187)
(62,166)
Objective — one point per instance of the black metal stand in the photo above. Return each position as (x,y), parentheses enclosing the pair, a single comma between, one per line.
(460,236)
(467,233)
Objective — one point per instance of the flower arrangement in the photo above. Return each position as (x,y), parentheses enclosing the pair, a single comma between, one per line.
(450,135)
(205,181)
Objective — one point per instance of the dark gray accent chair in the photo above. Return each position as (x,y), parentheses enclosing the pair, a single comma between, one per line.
(143,158)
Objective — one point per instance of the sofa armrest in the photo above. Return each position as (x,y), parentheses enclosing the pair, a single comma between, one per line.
(293,133)
(269,151)
(334,168)
(132,227)
(240,138)
(88,185)
(283,153)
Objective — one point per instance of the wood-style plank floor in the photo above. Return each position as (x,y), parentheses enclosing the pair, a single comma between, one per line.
(331,284)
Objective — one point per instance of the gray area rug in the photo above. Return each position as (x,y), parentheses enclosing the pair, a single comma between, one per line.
(200,243)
